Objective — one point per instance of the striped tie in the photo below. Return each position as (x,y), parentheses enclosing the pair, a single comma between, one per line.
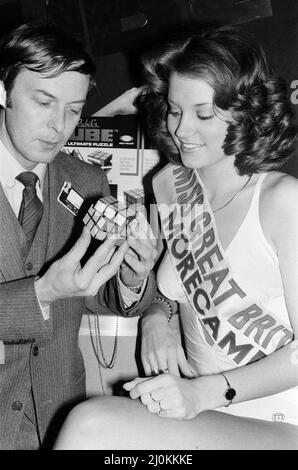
(31,209)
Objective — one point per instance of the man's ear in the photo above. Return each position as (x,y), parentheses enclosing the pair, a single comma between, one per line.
(2,95)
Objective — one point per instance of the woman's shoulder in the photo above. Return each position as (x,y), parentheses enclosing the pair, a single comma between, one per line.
(279,206)
(280,190)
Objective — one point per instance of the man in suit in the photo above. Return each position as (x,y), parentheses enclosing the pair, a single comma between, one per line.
(47,262)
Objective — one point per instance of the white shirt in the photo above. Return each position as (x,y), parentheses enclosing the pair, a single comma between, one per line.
(13,189)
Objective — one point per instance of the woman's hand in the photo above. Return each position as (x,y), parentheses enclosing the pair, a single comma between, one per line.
(161,345)
(167,395)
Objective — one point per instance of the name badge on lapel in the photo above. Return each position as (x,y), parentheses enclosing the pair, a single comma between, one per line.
(70,198)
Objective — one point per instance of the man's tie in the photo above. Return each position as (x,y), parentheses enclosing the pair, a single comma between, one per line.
(31,209)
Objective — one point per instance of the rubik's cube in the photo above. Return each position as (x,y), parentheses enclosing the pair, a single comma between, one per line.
(134,196)
(109,216)
(101,158)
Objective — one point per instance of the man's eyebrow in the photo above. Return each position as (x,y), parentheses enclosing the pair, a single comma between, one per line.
(49,95)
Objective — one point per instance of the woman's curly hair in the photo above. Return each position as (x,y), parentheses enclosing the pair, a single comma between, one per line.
(262,134)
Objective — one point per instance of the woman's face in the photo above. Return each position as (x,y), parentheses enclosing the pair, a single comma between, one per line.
(195,128)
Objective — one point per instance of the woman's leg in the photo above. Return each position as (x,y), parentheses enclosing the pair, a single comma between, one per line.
(121,423)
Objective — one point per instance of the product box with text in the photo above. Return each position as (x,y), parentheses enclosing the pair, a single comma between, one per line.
(120,148)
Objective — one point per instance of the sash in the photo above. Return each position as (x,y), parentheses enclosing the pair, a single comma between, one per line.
(229,318)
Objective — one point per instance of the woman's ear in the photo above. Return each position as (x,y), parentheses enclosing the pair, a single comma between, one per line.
(2,95)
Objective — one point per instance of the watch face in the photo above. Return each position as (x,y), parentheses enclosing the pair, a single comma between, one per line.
(230,393)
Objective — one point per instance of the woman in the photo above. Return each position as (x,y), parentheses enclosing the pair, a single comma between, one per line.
(230,225)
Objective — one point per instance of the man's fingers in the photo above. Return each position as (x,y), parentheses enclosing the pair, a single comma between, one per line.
(132,253)
(115,261)
(134,263)
(107,270)
(139,263)
(147,252)
(97,260)
(101,235)
(77,252)
(143,229)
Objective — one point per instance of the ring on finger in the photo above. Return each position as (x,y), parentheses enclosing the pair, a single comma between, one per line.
(163,371)
(155,372)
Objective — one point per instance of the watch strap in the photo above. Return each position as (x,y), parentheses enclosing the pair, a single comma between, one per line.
(230,392)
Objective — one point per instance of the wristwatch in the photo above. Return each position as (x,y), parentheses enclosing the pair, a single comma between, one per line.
(230,392)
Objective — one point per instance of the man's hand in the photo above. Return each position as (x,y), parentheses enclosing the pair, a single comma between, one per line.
(66,278)
(140,257)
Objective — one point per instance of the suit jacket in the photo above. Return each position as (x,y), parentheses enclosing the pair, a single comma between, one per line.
(46,357)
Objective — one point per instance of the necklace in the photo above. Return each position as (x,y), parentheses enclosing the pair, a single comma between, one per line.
(97,343)
(234,195)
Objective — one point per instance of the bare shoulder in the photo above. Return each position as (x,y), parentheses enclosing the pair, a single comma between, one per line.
(279,209)
(280,193)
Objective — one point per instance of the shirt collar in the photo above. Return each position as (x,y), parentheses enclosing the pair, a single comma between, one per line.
(10,168)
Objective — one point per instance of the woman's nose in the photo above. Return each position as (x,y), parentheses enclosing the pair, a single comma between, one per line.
(185,127)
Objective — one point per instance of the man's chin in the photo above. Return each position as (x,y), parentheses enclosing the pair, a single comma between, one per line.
(47,156)
(43,157)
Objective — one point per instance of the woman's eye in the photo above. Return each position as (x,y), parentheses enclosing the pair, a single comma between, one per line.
(44,103)
(205,118)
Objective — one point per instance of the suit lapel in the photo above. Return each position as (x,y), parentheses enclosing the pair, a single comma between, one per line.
(58,229)
(11,257)
(61,220)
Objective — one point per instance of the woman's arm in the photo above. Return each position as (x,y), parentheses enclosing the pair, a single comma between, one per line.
(161,340)
(182,398)
(278,371)
(161,336)
(272,374)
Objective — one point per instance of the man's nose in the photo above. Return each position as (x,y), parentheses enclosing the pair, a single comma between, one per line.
(57,121)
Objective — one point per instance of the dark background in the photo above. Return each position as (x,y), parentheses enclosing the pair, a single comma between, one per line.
(115,31)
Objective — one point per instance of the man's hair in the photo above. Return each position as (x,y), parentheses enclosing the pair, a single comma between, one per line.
(43,48)
(262,134)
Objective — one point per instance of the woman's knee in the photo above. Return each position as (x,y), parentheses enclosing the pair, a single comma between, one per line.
(93,413)
(86,421)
